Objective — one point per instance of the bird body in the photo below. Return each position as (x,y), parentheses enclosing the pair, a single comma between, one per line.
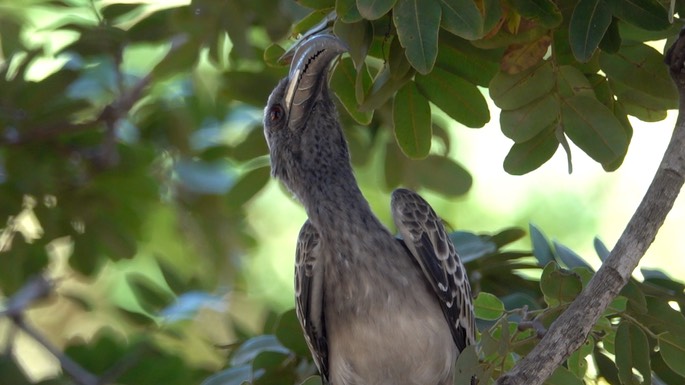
(375,309)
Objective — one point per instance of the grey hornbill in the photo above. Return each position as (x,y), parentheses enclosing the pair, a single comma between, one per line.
(375,309)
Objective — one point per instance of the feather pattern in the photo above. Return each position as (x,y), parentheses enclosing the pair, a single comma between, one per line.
(309,295)
(425,237)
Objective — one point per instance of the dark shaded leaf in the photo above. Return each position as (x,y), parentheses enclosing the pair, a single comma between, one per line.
(374,9)
(593,128)
(510,92)
(462,18)
(545,12)
(525,123)
(412,122)
(527,156)
(647,14)
(589,23)
(459,99)
(417,24)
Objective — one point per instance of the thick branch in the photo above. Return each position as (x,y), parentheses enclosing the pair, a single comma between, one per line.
(571,329)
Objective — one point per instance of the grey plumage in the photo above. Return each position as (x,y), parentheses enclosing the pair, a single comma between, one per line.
(376,310)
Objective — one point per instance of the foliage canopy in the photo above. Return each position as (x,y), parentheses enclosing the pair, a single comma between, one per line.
(130,141)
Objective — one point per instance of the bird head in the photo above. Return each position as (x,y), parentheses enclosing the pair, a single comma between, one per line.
(300,120)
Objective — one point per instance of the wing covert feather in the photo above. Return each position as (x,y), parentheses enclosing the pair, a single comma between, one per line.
(426,239)
(309,295)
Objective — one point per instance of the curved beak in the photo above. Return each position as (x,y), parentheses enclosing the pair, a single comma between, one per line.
(308,73)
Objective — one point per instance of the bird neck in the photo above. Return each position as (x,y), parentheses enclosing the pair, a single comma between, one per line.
(334,202)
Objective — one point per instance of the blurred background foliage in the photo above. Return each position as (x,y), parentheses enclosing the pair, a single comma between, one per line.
(134,177)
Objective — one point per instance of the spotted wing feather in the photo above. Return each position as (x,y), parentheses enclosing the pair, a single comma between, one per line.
(309,295)
(426,239)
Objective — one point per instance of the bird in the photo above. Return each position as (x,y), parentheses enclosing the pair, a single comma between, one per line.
(375,308)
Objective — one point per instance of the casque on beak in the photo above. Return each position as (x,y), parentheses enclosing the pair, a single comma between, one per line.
(308,73)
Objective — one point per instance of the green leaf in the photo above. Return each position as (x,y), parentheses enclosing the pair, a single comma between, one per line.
(563,376)
(412,122)
(641,67)
(647,14)
(347,11)
(289,333)
(606,367)
(343,82)
(611,42)
(272,53)
(461,58)
(594,128)
(589,23)
(672,349)
(374,9)
(384,87)
(492,14)
(247,187)
(317,4)
(417,23)
(601,249)
(527,156)
(569,257)
(471,246)
(313,380)
(571,81)
(544,11)
(441,174)
(488,307)
(525,123)
(462,18)
(577,362)
(558,285)
(459,99)
(632,352)
(236,375)
(510,92)
(467,366)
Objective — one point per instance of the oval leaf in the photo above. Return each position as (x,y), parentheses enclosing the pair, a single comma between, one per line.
(510,92)
(374,9)
(488,307)
(589,23)
(459,99)
(462,18)
(672,350)
(412,121)
(524,123)
(527,156)
(417,23)
(593,128)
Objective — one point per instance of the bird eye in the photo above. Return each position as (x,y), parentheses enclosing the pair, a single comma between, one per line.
(276,113)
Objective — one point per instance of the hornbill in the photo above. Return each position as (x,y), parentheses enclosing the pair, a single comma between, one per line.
(375,309)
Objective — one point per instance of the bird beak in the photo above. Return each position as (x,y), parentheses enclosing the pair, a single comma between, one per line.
(308,71)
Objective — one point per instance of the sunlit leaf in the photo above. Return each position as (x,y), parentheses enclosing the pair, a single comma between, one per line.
(488,307)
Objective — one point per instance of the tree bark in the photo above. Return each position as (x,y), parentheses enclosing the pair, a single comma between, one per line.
(571,329)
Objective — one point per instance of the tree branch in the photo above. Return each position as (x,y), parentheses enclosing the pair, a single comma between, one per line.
(571,329)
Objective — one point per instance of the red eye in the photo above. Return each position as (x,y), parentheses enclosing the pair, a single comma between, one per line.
(276,113)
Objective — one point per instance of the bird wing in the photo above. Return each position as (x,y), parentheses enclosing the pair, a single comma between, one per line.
(427,241)
(309,295)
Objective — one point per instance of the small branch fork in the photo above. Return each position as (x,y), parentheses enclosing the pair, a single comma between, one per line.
(571,329)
